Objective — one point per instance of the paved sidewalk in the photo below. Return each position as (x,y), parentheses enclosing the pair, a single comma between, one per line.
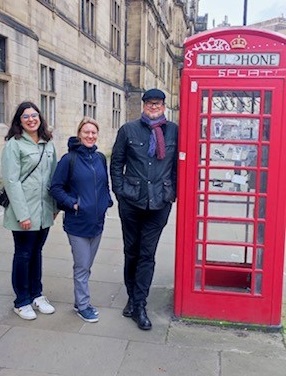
(63,345)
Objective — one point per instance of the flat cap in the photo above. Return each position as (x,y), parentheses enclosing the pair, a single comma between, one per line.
(153,94)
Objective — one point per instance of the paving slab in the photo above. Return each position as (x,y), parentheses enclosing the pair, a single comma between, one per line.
(5,283)
(6,261)
(238,364)
(142,359)
(62,353)
(3,329)
(15,372)
(112,324)
(227,339)
(63,320)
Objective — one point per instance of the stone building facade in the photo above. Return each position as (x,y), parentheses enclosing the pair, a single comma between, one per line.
(277,24)
(89,57)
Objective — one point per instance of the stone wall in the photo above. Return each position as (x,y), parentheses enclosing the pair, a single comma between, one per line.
(49,33)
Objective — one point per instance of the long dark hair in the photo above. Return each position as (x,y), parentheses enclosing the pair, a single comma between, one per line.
(16,128)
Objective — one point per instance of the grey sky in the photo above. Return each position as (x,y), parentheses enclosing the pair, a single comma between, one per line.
(258,10)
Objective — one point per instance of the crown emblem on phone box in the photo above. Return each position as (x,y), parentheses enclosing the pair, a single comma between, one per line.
(238,42)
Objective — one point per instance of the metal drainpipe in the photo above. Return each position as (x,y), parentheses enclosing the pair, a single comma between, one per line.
(172,82)
(125,58)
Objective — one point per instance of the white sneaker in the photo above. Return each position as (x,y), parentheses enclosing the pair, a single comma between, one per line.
(43,305)
(26,312)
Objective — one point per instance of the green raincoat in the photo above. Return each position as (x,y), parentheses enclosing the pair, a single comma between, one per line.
(30,199)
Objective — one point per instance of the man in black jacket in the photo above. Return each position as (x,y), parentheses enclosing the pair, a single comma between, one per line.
(143,174)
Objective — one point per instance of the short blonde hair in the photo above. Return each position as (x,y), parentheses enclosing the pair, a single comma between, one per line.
(86,120)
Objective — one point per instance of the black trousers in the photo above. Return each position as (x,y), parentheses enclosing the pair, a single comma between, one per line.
(141,230)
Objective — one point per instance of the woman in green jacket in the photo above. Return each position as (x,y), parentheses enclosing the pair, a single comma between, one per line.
(28,163)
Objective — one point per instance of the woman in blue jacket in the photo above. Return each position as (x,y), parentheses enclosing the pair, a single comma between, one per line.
(80,187)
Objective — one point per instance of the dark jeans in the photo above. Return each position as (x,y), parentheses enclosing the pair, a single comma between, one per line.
(27,265)
(141,233)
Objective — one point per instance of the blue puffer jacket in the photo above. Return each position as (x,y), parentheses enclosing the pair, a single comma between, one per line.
(87,185)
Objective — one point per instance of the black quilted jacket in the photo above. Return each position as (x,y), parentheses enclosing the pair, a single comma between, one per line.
(144,181)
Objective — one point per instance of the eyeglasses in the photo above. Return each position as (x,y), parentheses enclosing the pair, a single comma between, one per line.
(34,115)
(153,104)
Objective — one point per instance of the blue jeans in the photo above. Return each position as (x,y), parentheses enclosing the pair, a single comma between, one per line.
(27,265)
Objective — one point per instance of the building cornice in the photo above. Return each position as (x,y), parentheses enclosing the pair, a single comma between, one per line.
(76,67)
(11,22)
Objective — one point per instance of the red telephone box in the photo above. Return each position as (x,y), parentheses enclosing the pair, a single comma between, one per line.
(232,177)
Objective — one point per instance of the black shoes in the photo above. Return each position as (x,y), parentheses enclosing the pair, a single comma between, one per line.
(140,317)
(128,309)
(137,314)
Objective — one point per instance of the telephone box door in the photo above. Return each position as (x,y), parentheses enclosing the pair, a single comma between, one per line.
(229,204)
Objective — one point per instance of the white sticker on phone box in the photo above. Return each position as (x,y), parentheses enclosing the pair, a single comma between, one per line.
(194,86)
(239,179)
(182,156)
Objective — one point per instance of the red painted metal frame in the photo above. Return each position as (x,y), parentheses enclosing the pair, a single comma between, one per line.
(263,309)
